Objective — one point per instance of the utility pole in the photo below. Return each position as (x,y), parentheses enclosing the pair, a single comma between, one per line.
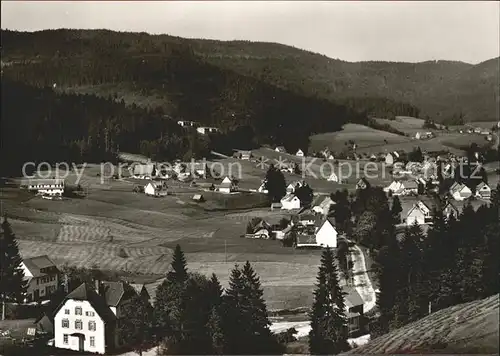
(430,307)
(225,251)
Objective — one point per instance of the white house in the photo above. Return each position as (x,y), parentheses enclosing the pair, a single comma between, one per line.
(321,204)
(389,159)
(86,320)
(417,136)
(299,153)
(460,191)
(262,188)
(333,178)
(280,149)
(292,186)
(326,234)
(419,213)
(156,189)
(54,187)
(186,124)
(483,191)
(42,277)
(204,130)
(227,186)
(290,202)
(396,187)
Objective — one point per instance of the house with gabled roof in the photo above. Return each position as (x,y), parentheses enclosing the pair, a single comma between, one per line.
(262,188)
(294,185)
(450,210)
(396,188)
(420,213)
(321,204)
(483,191)
(354,305)
(156,189)
(326,233)
(54,187)
(460,191)
(363,183)
(280,149)
(42,277)
(290,202)
(410,187)
(299,153)
(333,177)
(227,186)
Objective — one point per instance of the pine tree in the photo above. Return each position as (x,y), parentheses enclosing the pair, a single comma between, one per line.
(12,283)
(328,333)
(275,184)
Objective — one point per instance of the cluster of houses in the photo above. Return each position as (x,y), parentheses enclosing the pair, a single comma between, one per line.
(424,135)
(204,130)
(45,187)
(281,149)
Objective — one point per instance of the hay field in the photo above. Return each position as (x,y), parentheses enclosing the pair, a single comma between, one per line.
(364,137)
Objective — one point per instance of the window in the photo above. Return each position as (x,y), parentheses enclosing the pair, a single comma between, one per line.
(92,341)
(78,325)
(66,311)
(92,325)
(65,323)
(65,339)
(78,310)
(90,313)
(354,323)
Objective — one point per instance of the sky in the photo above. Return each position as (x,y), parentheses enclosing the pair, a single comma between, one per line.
(352,30)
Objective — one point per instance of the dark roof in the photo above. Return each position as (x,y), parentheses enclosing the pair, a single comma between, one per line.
(87,292)
(45,325)
(306,239)
(352,297)
(35,264)
(113,292)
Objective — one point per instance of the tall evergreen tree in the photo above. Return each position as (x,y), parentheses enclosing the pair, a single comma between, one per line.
(396,209)
(178,272)
(275,184)
(12,283)
(328,333)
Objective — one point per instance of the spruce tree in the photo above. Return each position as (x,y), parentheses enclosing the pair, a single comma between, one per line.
(215,323)
(328,333)
(178,272)
(275,184)
(236,322)
(12,283)
(396,209)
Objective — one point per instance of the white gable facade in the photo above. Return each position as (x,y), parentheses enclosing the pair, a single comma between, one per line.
(326,235)
(67,323)
(483,191)
(300,153)
(333,178)
(290,202)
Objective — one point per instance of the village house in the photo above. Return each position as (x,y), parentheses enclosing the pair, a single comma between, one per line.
(450,210)
(290,202)
(205,130)
(227,186)
(156,189)
(418,136)
(262,188)
(326,234)
(389,159)
(299,153)
(261,229)
(245,155)
(186,124)
(42,277)
(144,171)
(321,204)
(307,218)
(280,149)
(419,213)
(460,191)
(362,184)
(198,198)
(197,169)
(483,191)
(395,188)
(354,311)
(333,178)
(294,185)
(410,187)
(52,187)
(276,205)
(142,291)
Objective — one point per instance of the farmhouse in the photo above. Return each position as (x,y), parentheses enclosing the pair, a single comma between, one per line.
(280,149)
(419,213)
(389,159)
(418,136)
(227,186)
(460,191)
(333,178)
(326,234)
(396,188)
(205,130)
(299,153)
(321,204)
(410,187)
(362,184)
(186,124)
(307,218)
(450,210)
(53,187)
(483,191)
(156,189)
(144,171)
(306,240)
(290,202)
(42,277)
(245,155)
(294,185)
